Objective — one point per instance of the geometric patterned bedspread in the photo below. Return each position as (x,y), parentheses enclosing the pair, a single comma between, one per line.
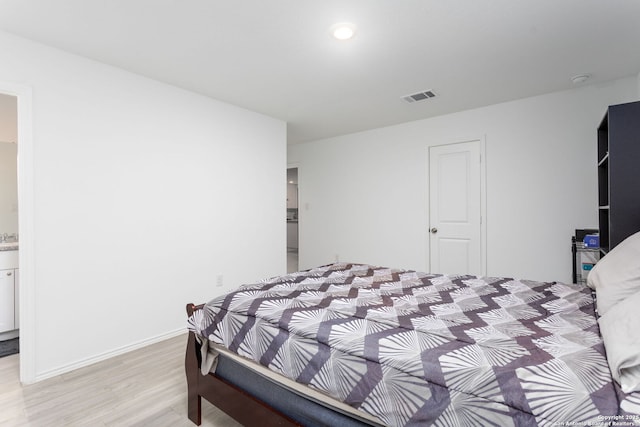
(414,348)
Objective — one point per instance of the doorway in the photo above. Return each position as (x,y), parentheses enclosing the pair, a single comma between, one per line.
(25,227)
(292,220)
(457,190)
(9,271)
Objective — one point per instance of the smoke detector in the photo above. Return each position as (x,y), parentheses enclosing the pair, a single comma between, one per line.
(420,96)
(580,78)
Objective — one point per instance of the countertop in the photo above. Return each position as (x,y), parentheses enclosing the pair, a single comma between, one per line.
(12,246)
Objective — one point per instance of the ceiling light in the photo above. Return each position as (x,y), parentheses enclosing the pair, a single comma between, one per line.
(580,78)
(343,30)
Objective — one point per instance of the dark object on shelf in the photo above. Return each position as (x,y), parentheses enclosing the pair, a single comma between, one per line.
(582,258)
(618,179)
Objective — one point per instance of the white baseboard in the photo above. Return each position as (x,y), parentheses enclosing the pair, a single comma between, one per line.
(107,355)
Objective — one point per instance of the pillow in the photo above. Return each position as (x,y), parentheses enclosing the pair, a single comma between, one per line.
(621,337)
(617,275)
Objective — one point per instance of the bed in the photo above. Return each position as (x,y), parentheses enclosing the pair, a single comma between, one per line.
(358,344)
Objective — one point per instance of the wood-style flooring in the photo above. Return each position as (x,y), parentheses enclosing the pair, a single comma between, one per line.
(145,387)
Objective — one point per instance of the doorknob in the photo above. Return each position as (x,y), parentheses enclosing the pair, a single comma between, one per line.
(434,230)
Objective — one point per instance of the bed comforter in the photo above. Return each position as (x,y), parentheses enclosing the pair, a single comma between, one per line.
(413,348)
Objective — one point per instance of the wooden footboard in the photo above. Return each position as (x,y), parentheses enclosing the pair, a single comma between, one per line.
(232,400)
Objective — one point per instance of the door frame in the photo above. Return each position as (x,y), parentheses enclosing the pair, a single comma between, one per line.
(483,198)
(26,221)
(296,165)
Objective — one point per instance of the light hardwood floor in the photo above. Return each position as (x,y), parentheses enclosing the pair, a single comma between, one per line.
(145,387)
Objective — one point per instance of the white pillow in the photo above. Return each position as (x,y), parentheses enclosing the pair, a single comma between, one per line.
(621,334)
(617,275)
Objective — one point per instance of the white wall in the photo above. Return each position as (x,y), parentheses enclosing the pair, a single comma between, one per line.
(143,194)
(364,196)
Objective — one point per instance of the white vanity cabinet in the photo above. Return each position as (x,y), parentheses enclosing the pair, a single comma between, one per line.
(7,300)
(8,291)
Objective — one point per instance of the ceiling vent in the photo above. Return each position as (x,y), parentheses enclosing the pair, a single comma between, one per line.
(420,96)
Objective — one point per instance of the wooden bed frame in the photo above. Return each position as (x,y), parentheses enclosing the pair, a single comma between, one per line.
(232,400)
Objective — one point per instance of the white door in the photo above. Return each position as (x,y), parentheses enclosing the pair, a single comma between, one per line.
(455,208)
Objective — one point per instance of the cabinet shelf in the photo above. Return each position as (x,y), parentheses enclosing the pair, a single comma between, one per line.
(618,158)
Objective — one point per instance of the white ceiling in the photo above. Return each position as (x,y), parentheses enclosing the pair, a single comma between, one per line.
(277,57)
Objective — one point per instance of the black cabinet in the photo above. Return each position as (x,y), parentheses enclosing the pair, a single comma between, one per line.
(619,174)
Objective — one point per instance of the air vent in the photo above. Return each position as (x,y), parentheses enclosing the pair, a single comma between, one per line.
(420,96)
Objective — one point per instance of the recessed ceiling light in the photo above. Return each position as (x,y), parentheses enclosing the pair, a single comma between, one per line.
(343,30)
(580,78)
